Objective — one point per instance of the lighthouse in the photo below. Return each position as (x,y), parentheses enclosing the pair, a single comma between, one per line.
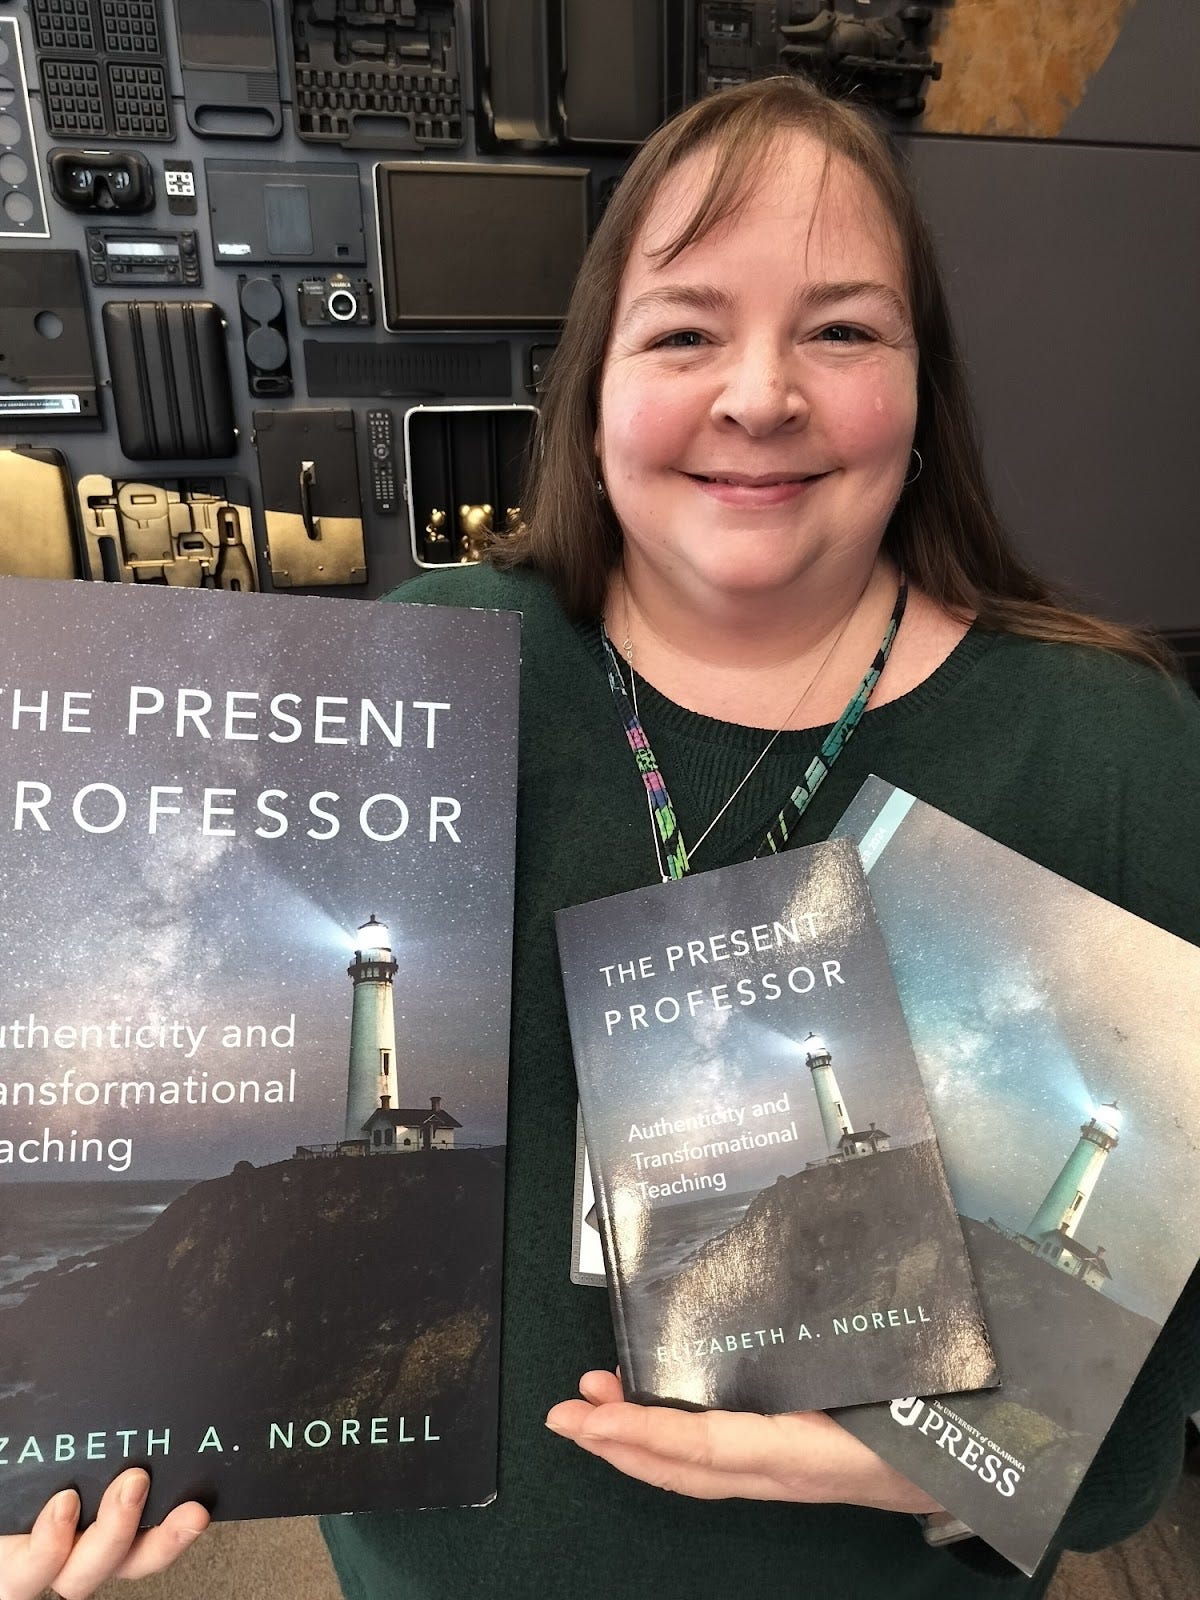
(372,1027)
(1070,1192)
(834,1119)
(844,1144)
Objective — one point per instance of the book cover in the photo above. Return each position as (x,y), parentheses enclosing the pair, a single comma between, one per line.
(778,1234)
(255,936)
(1056,1035)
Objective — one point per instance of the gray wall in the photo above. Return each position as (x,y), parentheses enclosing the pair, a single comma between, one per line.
(1072,274)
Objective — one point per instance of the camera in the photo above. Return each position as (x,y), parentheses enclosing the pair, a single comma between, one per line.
(329,302)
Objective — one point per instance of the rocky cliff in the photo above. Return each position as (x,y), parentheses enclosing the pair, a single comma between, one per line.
(318,1296)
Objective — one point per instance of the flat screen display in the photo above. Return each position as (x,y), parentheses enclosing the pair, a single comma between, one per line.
(470,245)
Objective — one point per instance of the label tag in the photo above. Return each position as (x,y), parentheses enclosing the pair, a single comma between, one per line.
(30,405)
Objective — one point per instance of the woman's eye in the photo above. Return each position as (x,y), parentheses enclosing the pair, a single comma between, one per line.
(684,339)
(843,333)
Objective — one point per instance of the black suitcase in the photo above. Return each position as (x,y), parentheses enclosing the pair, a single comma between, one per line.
(170,379)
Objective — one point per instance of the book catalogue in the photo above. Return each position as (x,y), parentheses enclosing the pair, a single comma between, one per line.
(256,913)
(1056,1035)
(777,1229)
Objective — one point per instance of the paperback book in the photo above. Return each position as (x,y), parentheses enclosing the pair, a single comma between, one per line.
(256,911)
(777,1230)
(1056,1035)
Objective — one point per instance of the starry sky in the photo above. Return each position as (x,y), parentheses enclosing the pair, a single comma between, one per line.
(231,930)
(1030,1002)
(743,1056)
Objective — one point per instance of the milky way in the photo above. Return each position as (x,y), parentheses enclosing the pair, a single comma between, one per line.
(220,930)
(1030,1002)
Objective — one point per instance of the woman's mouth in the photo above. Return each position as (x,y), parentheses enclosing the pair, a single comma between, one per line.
(743,490)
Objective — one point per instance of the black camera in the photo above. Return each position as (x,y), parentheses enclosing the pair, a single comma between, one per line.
(335,301)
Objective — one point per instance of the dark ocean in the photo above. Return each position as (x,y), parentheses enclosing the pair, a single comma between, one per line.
(45,1224)
(678,1231)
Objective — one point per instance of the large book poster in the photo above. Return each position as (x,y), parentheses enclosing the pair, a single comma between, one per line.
(255,938)
(1056,1036)
(776,1223)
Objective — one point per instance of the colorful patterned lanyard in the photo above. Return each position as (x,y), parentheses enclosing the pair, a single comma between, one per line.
(673,857)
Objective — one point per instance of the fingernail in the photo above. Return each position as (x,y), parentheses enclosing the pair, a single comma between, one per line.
(185,1535)
(555,1427)
(66,1506)
(135,1489)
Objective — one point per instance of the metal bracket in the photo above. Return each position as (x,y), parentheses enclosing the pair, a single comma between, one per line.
(181,535)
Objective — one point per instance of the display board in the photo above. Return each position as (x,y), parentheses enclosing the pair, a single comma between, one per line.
(215,214)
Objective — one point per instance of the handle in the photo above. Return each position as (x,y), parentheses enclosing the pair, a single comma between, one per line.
(308,477)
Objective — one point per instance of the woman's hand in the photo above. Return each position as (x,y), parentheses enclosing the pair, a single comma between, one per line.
(53,1555)
(720,1455)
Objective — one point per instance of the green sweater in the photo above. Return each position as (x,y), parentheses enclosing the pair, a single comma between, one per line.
(1080,760)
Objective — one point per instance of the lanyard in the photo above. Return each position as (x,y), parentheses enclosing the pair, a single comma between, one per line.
(668,842)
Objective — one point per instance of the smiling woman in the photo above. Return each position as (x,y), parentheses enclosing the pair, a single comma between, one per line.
(756,522)
(756,418)
(758,564)
(773,202)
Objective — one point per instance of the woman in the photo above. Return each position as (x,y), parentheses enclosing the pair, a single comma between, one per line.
(755,461)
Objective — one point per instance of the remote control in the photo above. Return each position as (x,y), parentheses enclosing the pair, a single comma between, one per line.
(381,445)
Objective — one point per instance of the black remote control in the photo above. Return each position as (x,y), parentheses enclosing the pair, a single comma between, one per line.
(381,445)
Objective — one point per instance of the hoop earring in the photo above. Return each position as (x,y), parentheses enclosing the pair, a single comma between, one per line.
(917,473)
(601,491)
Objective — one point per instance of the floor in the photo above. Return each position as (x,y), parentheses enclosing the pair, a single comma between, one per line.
(1162,1562)
(287,1561)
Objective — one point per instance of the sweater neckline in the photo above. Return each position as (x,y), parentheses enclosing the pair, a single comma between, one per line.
(677,722)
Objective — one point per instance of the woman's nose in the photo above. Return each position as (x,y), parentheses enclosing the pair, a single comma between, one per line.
(762,391)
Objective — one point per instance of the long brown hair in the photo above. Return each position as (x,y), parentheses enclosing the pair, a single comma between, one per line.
(944,532)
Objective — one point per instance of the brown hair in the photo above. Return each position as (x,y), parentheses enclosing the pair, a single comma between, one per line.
(944,532)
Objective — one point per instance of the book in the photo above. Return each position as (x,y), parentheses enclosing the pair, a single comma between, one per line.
(1056,1034)
(777,1230)
(587,1252)
(255,943)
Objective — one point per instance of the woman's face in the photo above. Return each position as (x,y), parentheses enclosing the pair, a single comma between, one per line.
(758,396)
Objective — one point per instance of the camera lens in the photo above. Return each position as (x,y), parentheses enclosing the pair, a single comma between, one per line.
(342,305)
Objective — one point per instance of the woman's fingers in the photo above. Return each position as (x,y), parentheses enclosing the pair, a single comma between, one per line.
(700,1483)
(601,1388)
(803,1456)
(155,1549)
(102,1548)
(29,1563)
(709,1455)
(55,1556)
(721,1439)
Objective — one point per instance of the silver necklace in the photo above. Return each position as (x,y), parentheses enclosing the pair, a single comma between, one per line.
(627,652)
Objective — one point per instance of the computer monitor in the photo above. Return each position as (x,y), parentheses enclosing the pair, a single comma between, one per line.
(467,244)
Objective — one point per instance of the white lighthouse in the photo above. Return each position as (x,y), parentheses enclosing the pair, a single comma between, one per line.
(1061,1210)
(372,1027)
(840,1137)
(834,1118)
